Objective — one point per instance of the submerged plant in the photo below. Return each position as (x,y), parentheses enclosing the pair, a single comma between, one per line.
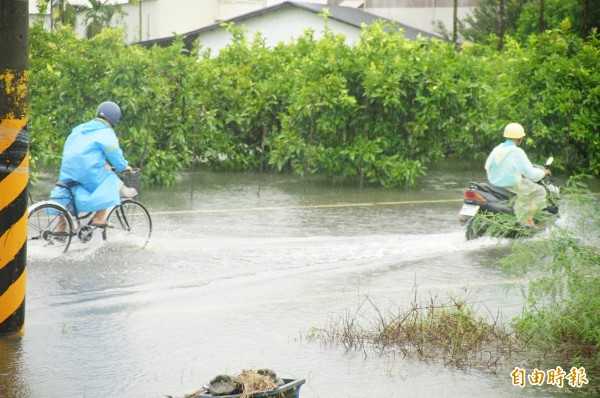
(448,330)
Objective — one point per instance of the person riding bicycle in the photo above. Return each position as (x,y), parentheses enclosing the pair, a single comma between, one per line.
(87,149)
(508,167)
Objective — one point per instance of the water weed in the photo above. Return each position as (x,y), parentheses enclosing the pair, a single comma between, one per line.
(449,330)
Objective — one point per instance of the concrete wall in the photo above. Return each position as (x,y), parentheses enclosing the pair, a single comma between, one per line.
(182,16)
(420,14)
(421,17)
(228,9)
(163,18)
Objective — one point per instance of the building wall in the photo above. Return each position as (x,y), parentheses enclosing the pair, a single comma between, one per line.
(418,3)
(163,18)
(422,18)
(148,18)
(228,9)
(182,16)
(159,18)
(420,14)
(278,26)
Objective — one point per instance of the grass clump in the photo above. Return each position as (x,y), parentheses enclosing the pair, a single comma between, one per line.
(448,330)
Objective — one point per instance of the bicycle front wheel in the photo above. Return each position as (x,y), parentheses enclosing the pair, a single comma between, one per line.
(49,228)
(131,220)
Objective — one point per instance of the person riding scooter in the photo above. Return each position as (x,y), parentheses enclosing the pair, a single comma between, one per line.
(508,167)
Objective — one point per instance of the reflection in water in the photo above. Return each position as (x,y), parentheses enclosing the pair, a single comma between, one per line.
(232,280)
(11,368)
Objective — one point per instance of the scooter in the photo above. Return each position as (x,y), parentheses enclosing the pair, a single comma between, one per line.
(488,210)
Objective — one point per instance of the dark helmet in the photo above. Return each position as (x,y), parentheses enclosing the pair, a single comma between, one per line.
(109,111)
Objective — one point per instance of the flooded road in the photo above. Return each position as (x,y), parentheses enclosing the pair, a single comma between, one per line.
(239,268)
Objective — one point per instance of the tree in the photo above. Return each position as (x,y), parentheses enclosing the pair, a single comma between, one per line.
(524,17)
(583,16)
(63,12)
(380,111)
(98,16)
(497,17)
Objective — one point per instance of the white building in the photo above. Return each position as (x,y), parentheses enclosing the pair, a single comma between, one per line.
(285,21)
(155,19)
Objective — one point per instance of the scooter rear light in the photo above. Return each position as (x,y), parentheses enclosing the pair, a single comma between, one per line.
(474,196)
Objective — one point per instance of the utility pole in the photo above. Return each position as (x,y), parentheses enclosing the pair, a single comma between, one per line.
(140,10)
(14,162)
(455,22)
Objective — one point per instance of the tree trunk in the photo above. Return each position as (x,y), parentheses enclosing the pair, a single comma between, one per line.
(541,21)
(586,18)
(500,24)
(364,140)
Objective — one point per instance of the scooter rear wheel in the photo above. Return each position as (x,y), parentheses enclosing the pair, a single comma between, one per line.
(476,228)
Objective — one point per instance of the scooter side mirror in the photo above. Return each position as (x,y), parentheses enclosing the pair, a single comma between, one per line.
(549,161)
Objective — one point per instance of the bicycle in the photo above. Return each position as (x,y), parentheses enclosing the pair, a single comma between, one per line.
(130,218)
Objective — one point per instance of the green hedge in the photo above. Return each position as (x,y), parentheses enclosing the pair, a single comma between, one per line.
(380,111)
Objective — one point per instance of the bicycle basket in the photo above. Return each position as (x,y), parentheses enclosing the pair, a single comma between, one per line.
(132,180)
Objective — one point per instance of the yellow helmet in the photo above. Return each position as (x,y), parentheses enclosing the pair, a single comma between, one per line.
(514,130)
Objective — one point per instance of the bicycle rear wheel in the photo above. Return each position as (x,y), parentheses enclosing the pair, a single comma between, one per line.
(45,224)
(130,220)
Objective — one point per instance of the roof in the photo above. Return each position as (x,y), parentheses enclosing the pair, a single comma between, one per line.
(347,15)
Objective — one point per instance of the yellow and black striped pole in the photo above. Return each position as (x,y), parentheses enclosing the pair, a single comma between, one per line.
(14,162)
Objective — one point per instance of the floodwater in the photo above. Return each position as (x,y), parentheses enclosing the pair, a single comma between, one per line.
(239,270)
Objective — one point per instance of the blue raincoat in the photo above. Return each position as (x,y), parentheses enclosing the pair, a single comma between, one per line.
(508,167)
(85,153)
(508,164)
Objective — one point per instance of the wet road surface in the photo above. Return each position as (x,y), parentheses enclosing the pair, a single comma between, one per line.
(233,279)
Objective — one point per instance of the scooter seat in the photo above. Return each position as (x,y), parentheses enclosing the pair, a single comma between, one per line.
(498,191)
